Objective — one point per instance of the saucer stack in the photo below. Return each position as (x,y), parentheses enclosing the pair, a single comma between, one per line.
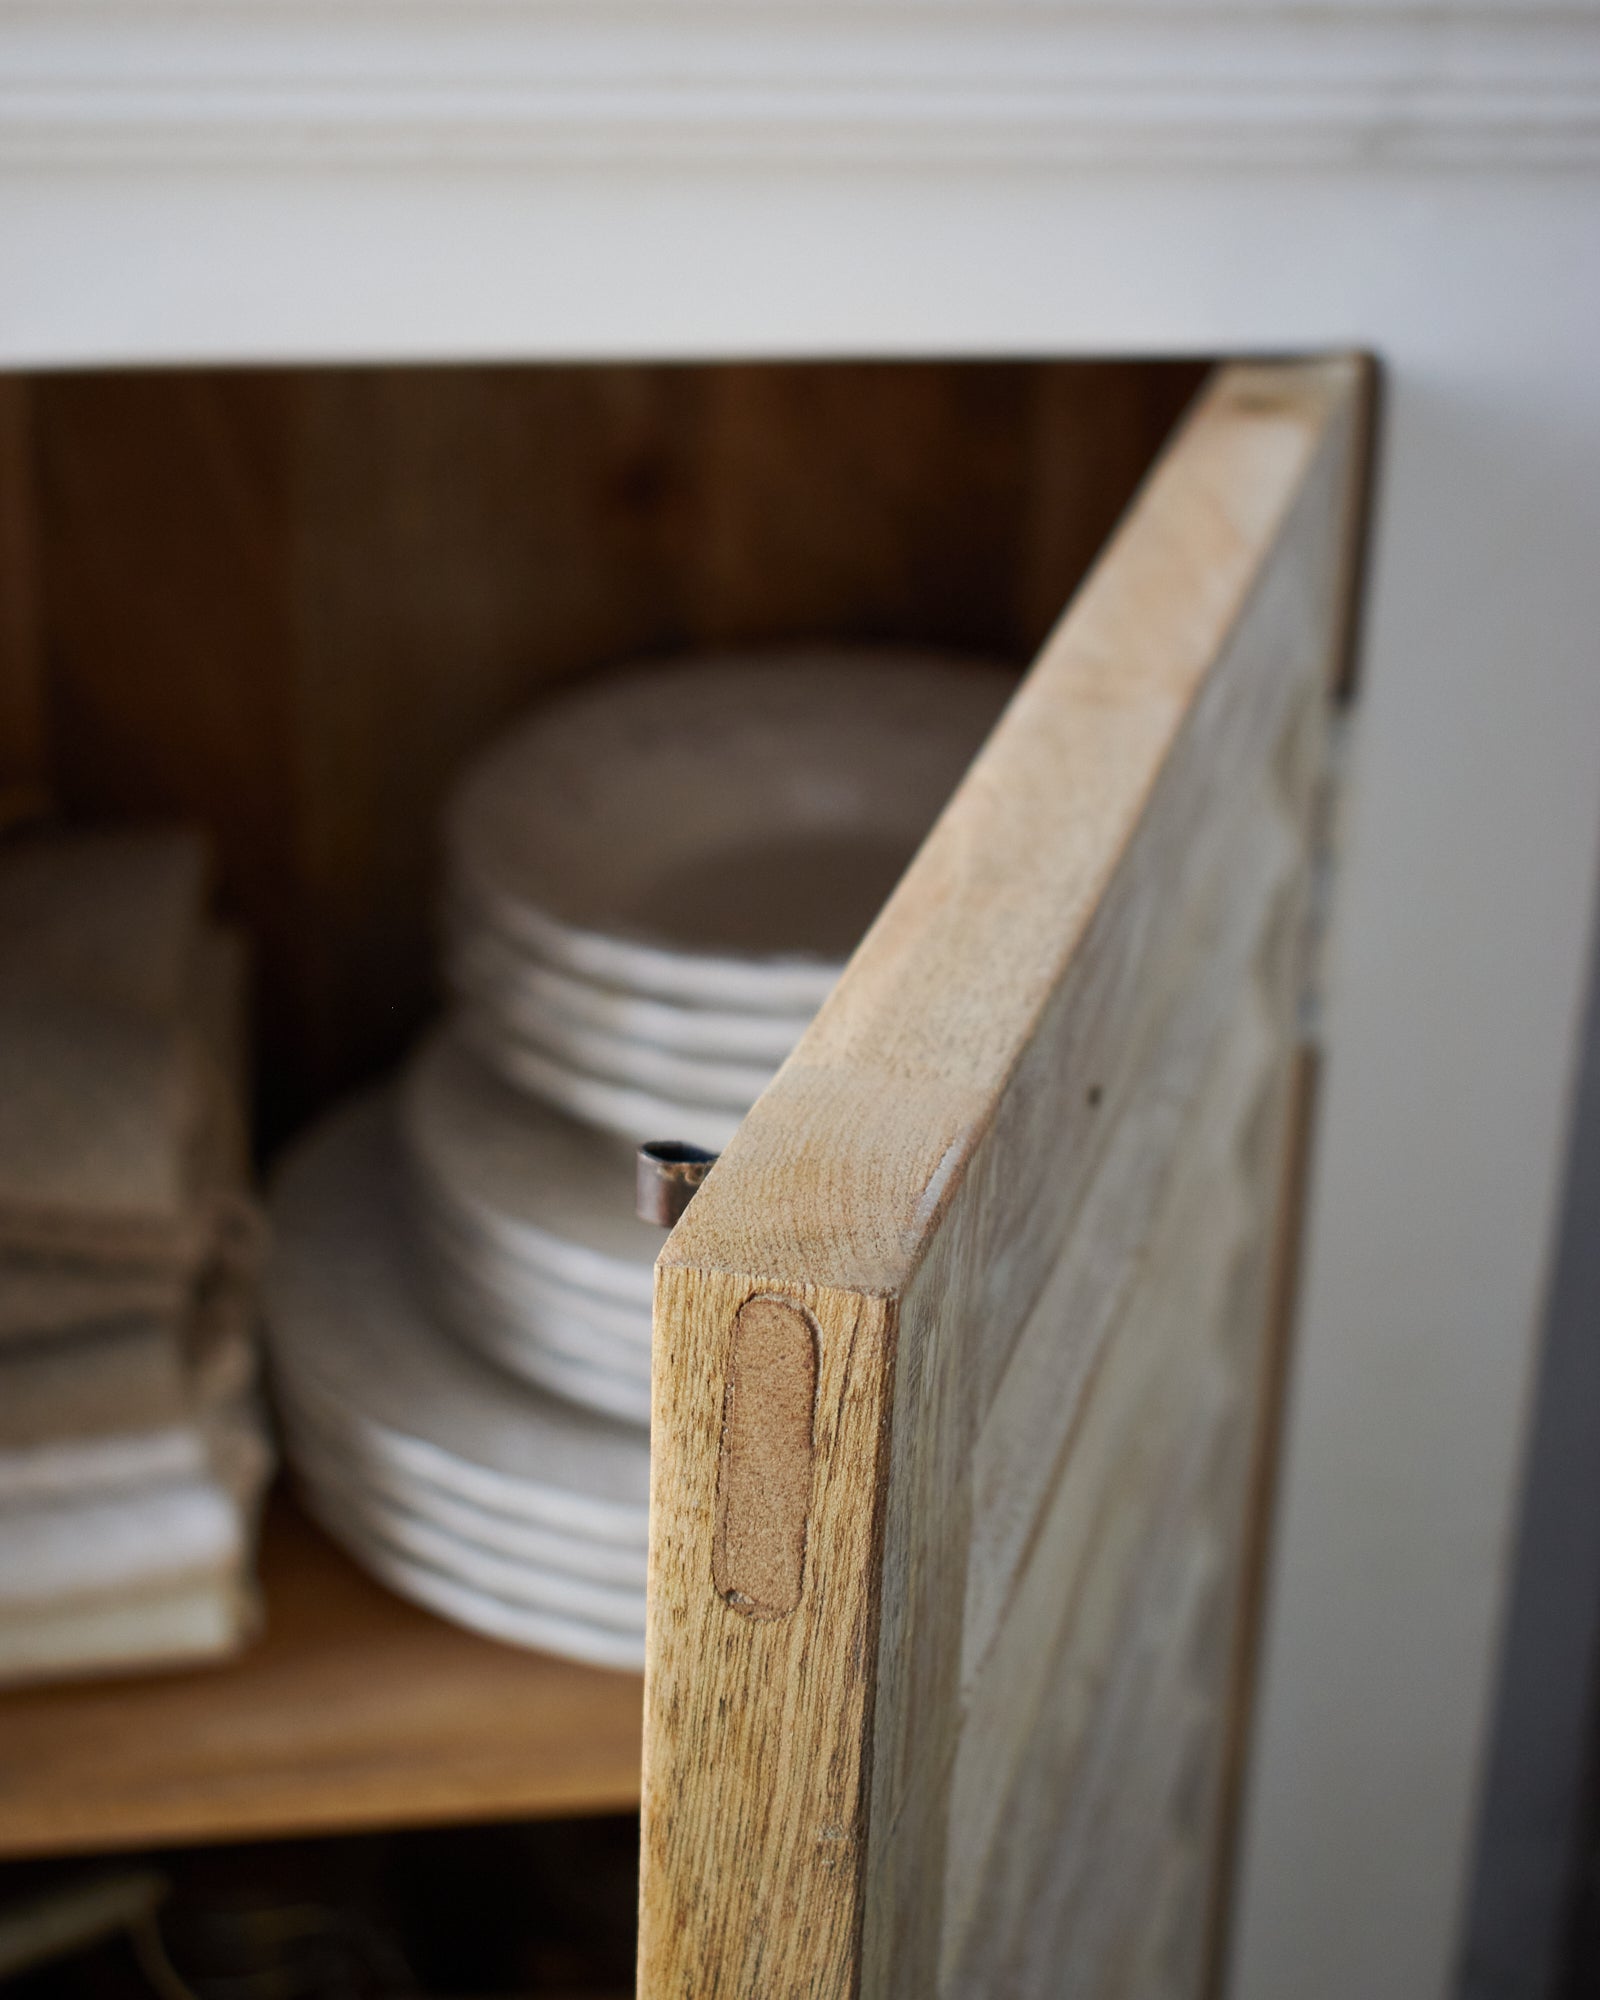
(496,1506)
(131,1455)
(655,881)
(653,884)
(533,1253)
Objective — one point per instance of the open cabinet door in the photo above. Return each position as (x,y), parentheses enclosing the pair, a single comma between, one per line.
(963,1354)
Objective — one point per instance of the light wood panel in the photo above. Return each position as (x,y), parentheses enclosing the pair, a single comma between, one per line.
(353,1710)
(1272,1394)
(1022,1178)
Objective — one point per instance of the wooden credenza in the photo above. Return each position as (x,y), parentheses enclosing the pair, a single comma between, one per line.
(968,1354)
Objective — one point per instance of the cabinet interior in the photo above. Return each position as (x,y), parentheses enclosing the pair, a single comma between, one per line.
(288,603)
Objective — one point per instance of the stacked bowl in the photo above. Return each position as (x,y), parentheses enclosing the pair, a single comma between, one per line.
(653,883)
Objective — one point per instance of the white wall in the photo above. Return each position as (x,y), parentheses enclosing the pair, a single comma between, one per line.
(1463,245)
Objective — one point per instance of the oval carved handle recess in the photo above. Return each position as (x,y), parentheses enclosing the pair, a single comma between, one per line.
(758,1550)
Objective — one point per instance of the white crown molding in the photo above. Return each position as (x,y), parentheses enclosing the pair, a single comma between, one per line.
(393,84)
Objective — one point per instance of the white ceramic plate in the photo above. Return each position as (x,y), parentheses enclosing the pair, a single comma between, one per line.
(466,1304)
(498,1273)
(318,1448)
(406,1456)
(368,1518)
(612,1394)
(542,1350)
(667,1073)
(524,992)
(627,1110)
(540,1631)
(718,830)
(350,1334)
(549,1192)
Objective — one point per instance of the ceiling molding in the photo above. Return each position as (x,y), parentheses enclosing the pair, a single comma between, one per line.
(393,84)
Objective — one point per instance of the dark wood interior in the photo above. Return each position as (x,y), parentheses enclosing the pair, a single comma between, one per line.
(289,603)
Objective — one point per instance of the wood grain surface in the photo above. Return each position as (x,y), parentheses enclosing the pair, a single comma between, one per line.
(1023,1174)
(354,1710)
(24,744)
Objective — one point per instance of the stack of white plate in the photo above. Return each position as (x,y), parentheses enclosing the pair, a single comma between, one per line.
(497,1506)
(654,883)
(656,879)
(534,1254)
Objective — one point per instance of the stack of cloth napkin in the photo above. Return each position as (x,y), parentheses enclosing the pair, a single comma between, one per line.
(132,1454)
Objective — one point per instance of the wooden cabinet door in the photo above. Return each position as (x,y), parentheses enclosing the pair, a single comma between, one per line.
(963,1353)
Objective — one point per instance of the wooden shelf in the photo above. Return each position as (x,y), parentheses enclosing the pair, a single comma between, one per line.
(355,1710)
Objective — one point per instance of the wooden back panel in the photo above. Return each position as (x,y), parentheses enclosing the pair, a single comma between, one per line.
(960,1350)
(288,603)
